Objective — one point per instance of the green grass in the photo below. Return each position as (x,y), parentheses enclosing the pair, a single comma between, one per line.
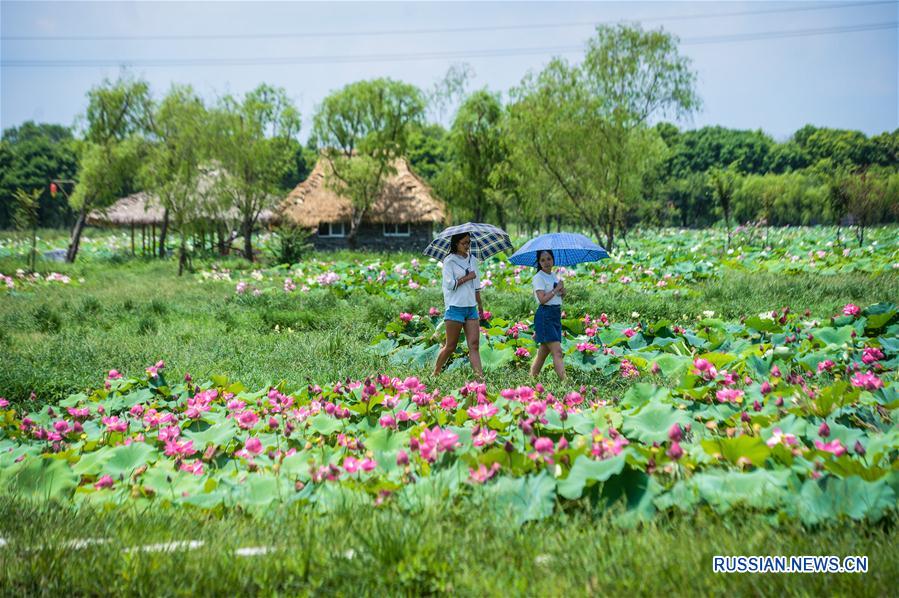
(463,548)
(128,314)
(62,340)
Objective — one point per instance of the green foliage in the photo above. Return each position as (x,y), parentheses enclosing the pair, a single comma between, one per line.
(583,129)
(31,155)
(362,129)
(254,141)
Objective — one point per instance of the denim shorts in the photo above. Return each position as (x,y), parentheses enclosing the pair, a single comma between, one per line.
(548,324)
(460,314)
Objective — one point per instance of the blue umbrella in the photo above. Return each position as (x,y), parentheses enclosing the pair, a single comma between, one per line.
(568,249)
(486,240)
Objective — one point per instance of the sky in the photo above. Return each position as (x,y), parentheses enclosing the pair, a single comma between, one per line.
(768,65)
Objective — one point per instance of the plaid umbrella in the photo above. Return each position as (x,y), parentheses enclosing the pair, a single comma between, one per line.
(486,240)
(568,249)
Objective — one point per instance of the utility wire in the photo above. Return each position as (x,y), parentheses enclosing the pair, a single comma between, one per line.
(394,32)
(451,54)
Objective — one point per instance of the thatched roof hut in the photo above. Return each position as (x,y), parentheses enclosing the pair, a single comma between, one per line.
(144,209)
(140,209)
(406,199)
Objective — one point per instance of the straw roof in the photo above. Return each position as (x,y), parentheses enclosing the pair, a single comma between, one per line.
(143,208)
(138,208)
(406,199)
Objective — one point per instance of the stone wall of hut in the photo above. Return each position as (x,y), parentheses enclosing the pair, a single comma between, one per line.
(371,236)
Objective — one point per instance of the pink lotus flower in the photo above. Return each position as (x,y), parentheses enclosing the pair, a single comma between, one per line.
(406,416)
(824,430)
(484,437)
(434,441)
(387,421)
(433,312)
(351,464)
(402,458)
(79,413)
(195,468)
(851,309)
(487,315)
(484,411)
(113,375)
(368,465)
(153,370)
(778,437)
(675,433)
(522,352)
(629,332)
(173,448)
(253,445)
(482,474)
(825,366)
(61,427)
(867,380)
(114,424)
(3,402)
(406,317)
(628,369)
(675,452)
(448,403)
(871,355)
(834,447)
(587,347)
(169,433)
(544,446)
(247,419)
(104,482)
(732,395)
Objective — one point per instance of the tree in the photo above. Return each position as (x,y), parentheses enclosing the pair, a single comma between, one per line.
(26,219)
(362,130)
(869,202)
(32,155)
(476,150)
(724,182)
(171,170)
(117,116)
(255,143)
(586,128)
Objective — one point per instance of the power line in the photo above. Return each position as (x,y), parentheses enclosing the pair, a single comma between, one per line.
(320,34)
(451,54)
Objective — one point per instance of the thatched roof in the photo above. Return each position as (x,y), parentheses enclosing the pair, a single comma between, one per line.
(143,208)
(406,199)
(138,208)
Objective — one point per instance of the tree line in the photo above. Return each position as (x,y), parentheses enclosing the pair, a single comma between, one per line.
(586,143)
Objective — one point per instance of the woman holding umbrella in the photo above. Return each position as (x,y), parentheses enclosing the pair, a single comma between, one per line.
(549,291)
(461,248)
(545,252)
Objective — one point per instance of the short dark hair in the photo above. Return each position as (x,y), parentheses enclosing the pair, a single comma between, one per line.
(454,241)
(541,252)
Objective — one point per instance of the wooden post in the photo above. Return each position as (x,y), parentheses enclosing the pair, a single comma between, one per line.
(153,237)
(132,238)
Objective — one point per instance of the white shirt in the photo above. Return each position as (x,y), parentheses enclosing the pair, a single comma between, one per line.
(460,295)
(545,282)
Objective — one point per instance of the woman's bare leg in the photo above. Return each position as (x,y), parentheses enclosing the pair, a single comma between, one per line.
(473,338)
(453,329)
(540,358)
(558,362)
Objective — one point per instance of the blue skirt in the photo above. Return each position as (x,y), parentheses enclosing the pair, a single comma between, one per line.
(548,324)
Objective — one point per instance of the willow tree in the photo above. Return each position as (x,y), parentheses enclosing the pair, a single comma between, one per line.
(109,152)
(585,127)
(171,170)
(254,141)
(476,150)
(361,130)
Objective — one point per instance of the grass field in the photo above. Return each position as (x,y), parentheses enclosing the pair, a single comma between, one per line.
(127,313)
